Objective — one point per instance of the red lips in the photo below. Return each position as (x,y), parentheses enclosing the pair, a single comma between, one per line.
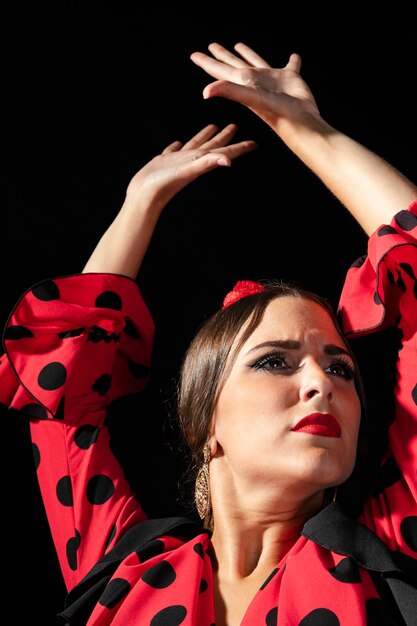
(322,424)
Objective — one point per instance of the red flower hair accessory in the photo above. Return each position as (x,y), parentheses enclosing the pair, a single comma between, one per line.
(242,289)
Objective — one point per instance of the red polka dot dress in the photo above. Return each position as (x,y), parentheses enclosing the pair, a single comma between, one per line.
(76,343)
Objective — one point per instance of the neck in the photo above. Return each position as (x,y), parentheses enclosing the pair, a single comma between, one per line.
(252,541)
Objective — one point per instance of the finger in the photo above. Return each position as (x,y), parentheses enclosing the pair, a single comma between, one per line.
(248,96)
(215,68)
(202,163)
(222,138)
(294,63)
(173,147)
(237,149)
(221,54)
(202,136)
(251,56)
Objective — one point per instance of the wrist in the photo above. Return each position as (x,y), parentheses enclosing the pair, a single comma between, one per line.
(310,138)
(306,127)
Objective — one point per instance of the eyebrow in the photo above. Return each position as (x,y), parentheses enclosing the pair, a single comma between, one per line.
(289,344)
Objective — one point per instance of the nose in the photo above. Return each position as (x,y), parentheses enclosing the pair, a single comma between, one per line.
(316,383)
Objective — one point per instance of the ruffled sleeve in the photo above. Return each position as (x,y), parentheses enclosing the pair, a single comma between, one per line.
(365,303)
(91,332)
(380,294)
(72,346)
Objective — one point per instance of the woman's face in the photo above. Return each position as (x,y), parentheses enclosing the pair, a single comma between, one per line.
(288,413)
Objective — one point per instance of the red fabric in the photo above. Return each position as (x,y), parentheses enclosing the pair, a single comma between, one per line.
(88,501)
(82,375)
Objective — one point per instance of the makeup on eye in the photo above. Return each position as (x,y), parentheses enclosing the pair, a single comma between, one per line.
(283,360)
(345,367)
(272,360)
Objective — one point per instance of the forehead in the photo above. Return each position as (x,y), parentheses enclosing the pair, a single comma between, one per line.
(299,319)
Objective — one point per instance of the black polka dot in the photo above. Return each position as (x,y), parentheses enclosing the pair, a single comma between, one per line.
(414,394)
(154,547)
(347,571)
(408,269)
(203,585)
(72,546)
(52,376)
(111,536)
(386,230)
(320,617)
(376,613)
(75,332)
(97,334)
(199,548)
(400,282)
(18,332)
(86,435)
(115,591)
(408,529)
(33,409)
(47,290)
(406,220)
(377,298)
(130,329)
(64,491)
(36,455)
(396,279)
(270,577)
(360,261)
(59,414)
(109,300)
(99,489)
(389,474)
(170,616)
(160,575)
(271,618)
(102,384)
(137,369)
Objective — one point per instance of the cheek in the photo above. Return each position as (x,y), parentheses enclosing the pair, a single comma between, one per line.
(250,406)
(352,412)
(252,396)
(230,415)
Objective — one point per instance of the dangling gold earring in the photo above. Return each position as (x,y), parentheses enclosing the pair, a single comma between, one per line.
(202,486)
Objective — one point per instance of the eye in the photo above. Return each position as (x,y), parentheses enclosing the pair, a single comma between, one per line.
(276,361)
(342,367)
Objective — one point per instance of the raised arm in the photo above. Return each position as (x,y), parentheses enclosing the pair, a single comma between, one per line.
(123,246)
(75,344)
(369,187)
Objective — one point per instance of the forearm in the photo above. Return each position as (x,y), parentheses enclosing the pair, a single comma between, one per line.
(122,247)
(370,188)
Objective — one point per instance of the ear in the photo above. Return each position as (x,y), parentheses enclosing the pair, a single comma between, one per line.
(212,442)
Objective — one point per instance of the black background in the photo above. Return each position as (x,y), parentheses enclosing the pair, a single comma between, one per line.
(90,96)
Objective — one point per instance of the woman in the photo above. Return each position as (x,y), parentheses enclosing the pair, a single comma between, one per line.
(297,530)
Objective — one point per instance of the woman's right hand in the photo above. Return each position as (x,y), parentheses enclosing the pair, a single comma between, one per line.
(370,188)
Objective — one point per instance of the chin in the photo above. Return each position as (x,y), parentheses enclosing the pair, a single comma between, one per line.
(324,469)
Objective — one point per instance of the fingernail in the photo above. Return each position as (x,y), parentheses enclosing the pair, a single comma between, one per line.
(222,161)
